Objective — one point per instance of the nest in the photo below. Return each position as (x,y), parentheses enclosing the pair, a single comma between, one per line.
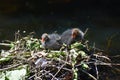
(80,62)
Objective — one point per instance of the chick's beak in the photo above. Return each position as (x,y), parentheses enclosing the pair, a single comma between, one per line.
(42,40)
(73,36)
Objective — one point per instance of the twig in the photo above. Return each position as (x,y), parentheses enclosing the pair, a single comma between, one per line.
(47,72)
(31,77)
(105,57)
(52,76)
(110,40)
(89,75)
(17,35)
(60,68)
(10,67)
(96,68)
(109,64)
(5,44)
(116,56)
(62,65)
(58,71)
(13,51)
(86,31)
(104,64)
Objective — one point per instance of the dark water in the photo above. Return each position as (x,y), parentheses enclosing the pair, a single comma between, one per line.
(103,28)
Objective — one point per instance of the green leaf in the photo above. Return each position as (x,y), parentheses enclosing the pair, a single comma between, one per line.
(49,55)
(75,74)
(5,59)
(12,45)
(77,45)
(84,66)
(82,54)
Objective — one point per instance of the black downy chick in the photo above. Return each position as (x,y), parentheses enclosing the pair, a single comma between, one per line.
(51,41)
(71,36)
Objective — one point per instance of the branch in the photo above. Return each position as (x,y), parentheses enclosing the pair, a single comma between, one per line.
(89,75)
(10,67)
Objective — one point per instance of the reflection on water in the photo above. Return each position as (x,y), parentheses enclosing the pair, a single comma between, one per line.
(102,29)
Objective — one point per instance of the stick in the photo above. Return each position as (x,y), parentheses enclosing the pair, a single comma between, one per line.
(89,75)
(86,31)
(5,44)
(10,67)
(58,71)
(96,68)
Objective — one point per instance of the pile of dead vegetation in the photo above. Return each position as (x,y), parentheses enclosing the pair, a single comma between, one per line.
(28,60)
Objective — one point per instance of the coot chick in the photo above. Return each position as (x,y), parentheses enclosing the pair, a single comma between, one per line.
(51,41)
(71,36)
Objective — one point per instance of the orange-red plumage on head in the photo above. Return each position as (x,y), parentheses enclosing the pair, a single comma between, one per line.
(75,32)
(72,35)
(51,41)
(44,37)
